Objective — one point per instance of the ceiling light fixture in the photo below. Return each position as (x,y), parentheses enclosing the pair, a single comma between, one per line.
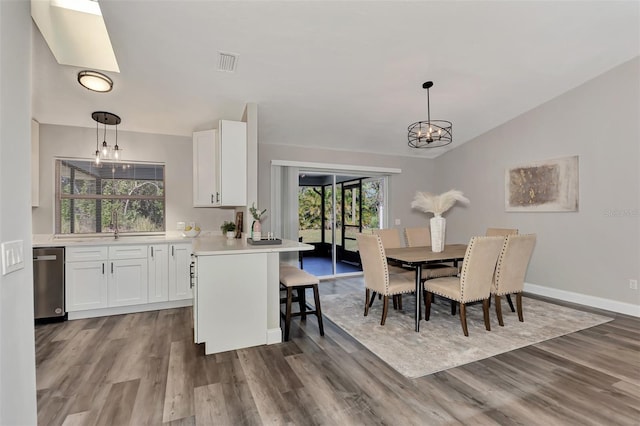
(430,133)
(95,81)
(105,152)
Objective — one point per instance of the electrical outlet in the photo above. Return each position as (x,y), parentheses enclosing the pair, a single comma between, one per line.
(180,226)
(397,222)
(633,284)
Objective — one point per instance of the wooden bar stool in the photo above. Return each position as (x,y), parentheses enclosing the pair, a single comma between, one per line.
(292,278)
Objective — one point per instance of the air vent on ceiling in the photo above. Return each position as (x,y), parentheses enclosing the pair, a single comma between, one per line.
(227,61)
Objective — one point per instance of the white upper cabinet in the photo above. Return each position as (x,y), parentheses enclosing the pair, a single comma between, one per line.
(220,165)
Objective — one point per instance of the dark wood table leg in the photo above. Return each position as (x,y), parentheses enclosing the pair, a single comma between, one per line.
(418,295)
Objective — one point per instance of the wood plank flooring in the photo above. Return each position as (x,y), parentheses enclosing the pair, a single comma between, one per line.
(144,369)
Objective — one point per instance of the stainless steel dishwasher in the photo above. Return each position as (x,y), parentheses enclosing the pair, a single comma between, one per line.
(48,282)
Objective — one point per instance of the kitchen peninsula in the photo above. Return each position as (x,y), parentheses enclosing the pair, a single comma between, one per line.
(236,292)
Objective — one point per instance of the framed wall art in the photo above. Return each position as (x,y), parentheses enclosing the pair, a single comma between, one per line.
(543,186)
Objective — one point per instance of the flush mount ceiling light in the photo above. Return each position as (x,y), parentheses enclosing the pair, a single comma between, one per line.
(95,81)
(430,133)
(105,152)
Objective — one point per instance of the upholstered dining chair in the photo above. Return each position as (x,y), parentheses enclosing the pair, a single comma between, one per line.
(390,238)
(417,237)
(376,273)
(511,270)
(492,232)
(474,283)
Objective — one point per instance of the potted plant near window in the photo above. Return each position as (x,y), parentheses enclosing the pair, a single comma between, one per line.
(229,229)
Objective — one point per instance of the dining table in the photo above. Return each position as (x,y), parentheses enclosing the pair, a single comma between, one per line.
(419,257)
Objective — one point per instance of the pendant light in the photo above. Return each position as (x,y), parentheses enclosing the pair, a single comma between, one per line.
(106,152)
(430,133)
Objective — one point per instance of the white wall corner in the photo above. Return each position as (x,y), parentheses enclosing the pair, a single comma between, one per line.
(583,299)
(274,335)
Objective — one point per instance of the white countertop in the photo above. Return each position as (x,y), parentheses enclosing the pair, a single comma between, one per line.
(49,240)
(211,246)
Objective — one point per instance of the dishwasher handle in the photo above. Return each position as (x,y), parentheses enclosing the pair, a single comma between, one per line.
(45,257)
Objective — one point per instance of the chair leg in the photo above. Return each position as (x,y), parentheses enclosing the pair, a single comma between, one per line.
(316,299)
(302,302)
(400,301)
(287,317)
(519,305)
(385,308)
(373,297)
(427,305)
(510,303)
(394,298)
(366,301)
(453,307)
(463,319)
(499,311)
(485,313)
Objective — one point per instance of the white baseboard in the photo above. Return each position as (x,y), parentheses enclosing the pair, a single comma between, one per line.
(93,313)
(583,299)
(274,335)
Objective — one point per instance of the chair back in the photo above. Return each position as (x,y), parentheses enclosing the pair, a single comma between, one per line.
(476,275)
(513,263)
(417,237)
(492,232)
(390,237)
(374,262)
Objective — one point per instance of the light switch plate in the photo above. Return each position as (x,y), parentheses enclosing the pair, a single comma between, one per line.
(12,256)
(397,222)
(180,226)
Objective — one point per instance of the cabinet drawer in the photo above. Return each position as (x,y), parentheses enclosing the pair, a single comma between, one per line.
(82,253)
(127,252)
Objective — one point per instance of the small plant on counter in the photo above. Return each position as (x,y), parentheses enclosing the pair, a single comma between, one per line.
(257,214)
(227,227)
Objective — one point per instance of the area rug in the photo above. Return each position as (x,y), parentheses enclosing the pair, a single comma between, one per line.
(440,344)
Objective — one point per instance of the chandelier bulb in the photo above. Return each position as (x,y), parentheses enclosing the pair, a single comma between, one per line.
(97,157)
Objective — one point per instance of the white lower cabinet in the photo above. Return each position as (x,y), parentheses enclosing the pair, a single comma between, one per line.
(158,273)
(179,278)
(105,276)
(85,285)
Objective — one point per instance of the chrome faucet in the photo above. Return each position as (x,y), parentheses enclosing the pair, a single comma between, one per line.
(114,223)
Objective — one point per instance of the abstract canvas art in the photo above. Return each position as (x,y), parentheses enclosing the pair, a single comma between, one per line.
(544,186)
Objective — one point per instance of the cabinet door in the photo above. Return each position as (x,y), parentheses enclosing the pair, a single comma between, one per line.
(85,285)
(179,279)
(232,163)
(205,181)
(158,273)
(127,282)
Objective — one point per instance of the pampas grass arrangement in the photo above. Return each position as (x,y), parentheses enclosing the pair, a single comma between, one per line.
(437,204)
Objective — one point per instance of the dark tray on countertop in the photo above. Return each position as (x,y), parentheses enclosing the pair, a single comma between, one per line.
(264,242)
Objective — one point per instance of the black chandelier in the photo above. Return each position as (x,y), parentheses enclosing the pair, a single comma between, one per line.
(430,133)
(106,152)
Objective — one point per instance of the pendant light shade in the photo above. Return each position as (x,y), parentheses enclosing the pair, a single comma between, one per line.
(430,133)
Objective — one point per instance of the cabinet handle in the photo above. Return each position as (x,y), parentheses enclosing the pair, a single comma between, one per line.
(192,274)
(112,267)
(102,268)
(151,251)
(211,198)
(172,252)
(217,197)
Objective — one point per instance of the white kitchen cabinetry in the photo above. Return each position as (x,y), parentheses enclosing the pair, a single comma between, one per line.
(179,278)
(220,165)
(158,273)
(127,280)
(85,278)
(105,276)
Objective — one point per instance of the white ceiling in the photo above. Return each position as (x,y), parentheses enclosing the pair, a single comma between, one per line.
(343,74)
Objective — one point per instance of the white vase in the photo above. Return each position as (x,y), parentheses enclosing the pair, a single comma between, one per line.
(231,234)
(438,224)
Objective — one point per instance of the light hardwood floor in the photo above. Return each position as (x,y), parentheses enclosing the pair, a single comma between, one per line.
(144,369)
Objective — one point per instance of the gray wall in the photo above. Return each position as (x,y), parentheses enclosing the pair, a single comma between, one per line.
(594,251)
(417,174)
(174,151)
(17,348)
